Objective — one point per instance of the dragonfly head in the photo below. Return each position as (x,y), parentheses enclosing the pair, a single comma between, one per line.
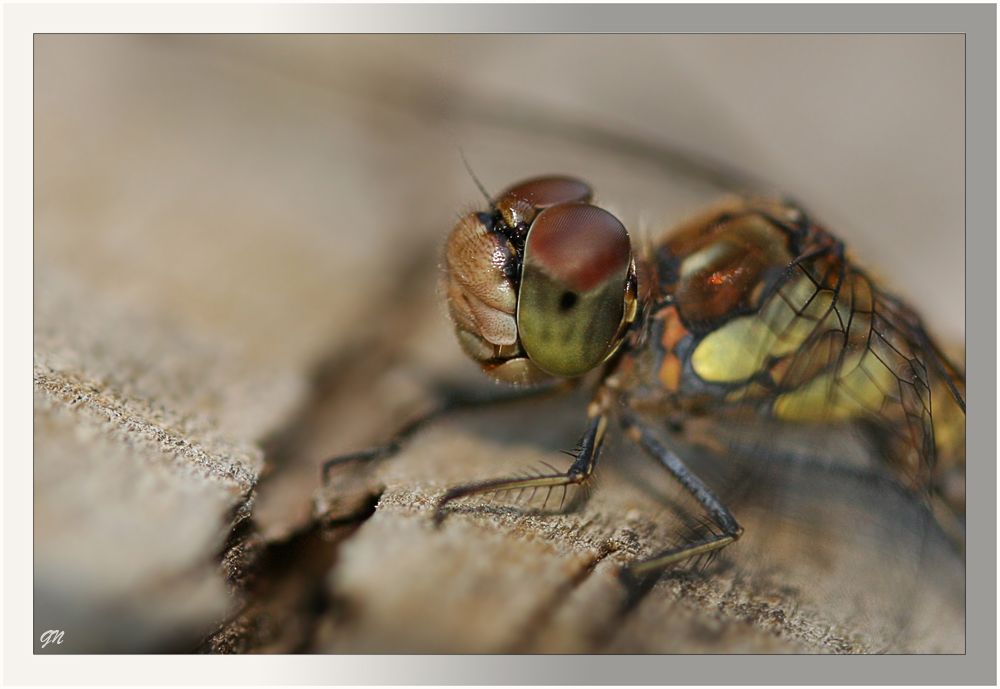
(542,285)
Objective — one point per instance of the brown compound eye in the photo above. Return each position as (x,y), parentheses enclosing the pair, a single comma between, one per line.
(520,203)
(543,192)
(574,288)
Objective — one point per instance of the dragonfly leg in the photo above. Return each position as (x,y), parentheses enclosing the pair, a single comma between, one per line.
(730,530)
(581,469)
(453,402)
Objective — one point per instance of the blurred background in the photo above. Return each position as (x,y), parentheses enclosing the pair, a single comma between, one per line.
(235,272)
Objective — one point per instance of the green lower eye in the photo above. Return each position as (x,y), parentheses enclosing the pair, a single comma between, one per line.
(572,296)
(567,301)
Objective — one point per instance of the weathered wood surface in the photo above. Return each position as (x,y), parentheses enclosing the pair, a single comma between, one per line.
(236,249)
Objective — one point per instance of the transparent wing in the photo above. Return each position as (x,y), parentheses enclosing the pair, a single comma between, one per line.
(836,347)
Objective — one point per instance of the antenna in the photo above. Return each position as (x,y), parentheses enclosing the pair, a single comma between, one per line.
(475,179)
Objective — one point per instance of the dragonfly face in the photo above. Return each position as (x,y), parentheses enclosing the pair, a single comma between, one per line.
(748,310)
(544,285)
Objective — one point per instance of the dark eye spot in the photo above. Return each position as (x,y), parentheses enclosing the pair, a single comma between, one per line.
(567,301)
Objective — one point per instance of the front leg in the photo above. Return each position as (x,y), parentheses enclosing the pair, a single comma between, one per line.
(581,469)
(454,402)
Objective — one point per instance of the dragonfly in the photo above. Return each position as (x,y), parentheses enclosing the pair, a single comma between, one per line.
(750,314)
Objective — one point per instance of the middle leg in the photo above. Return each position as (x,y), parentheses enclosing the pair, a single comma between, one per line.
(729,530)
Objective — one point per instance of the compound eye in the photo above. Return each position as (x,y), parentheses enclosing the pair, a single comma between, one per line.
(544,192)
(521,202)
(571,301)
